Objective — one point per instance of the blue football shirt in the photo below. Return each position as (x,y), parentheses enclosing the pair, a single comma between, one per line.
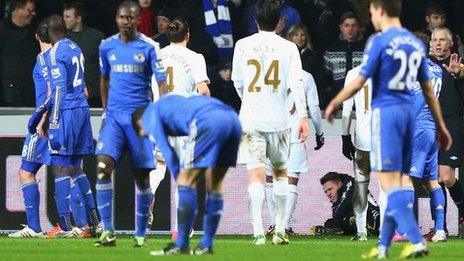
(40,76)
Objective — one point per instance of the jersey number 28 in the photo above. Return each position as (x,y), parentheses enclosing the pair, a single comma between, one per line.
(410,64)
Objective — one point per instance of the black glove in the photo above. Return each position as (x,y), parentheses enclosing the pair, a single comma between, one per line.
(319,141)
(348,148)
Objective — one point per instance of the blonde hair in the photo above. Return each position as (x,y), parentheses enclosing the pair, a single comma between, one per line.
(300,27)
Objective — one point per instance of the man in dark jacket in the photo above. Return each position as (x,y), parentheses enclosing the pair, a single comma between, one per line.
(18,51)
(88,39)
(339,190)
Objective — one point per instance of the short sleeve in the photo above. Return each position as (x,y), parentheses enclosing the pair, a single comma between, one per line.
(199,71)
(371,58)
(104,64)
(157,66)
(423,74)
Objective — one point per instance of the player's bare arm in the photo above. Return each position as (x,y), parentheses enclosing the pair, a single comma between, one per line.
(347,92)
(203,89)
(162,86)
(443,136)
(104,87)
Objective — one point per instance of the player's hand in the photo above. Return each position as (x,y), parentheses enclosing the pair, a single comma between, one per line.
(453,66)
(54,137)
(444,139)
(34,120)
(42,128)
(347,148)
(304,129)
(319,141)
(329,111)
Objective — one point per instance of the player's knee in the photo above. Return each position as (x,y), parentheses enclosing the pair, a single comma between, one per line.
(361,177)
(293,178)
(26,177)
(281,186)
(104,168)
(292,189)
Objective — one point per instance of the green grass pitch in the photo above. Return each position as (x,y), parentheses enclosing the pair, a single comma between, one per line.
(226,248)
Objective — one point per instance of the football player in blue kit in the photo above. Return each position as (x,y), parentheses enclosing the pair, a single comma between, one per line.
(214,132)
(69,131)
(127,62)
(394,59)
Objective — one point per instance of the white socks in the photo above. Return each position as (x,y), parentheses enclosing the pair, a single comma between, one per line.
(268,190)
(290,205)
(156,176)
(382,205)
(280,198)
(256,198)
(361,220)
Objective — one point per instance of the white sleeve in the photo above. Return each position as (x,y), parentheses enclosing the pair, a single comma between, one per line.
(295,81)
(237,72)
(312,97)
(347,105)
(154,88)
(199,71)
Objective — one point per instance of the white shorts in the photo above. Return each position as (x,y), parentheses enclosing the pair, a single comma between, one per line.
(297,161)
(262,145)
(179,144)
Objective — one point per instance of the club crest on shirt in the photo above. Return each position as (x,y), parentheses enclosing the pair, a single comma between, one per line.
(139,57)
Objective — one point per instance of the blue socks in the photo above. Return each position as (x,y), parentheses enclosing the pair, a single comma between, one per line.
(77,206)
(213,213)
(186,213)
(62,199)
(31,197)
(87,197)
(105,202)
(144,199)
(437,205)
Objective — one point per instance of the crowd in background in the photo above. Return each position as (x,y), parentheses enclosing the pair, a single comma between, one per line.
(330,35)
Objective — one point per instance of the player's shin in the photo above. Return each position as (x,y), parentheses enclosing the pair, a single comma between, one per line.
(144,200)
(360,204)
(186,213)
(280,198)
(62,199)
(382,205)
(437,202)
(213,213)
(290,204)
(268,192)
(256,198)
(83,184)
(104,189)
(31,197)
(79,212)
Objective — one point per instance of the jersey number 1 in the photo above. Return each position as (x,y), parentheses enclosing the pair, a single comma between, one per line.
(170,80)
(271,77)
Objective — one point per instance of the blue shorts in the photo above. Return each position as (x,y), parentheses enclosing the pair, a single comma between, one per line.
(424,155)
(213,140)
(117,135)
(70,161)
(75,132)
(35,153)
(392,132)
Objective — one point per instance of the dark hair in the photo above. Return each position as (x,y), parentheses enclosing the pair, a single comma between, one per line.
(17,4)
(268,14)
(79,9)
(348,15)
(391,7)
(42,31)
(130,5)
(56,25)
(435,9)
(330,176)
(424,38)
(177,30)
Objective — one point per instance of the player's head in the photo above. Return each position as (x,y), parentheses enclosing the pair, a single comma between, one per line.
(331,183)
(300,36)
(145,3)
(349,26)
(41,34)
(441,43)
(74,16)
(23,11)
(381,9)
(424,38)
(178,31)
(56,28)
(128,18)
(268,14)
(137,122)
(435,17)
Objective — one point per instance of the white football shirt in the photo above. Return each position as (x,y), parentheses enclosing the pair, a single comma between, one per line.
(362,101)
(264,67)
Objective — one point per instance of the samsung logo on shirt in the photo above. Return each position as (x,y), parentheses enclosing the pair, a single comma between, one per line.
(128,68)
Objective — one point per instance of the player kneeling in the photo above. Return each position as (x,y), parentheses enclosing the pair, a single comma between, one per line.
(214,133)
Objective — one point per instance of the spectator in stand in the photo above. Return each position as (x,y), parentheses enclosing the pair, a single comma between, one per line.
(436,18)
(165,15)
(223,87)
(310,59)
(18,51)
(88,39)
(452,106)
(343,55)
(147,18)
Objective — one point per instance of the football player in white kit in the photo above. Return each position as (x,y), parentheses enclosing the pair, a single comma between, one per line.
(186,75)
(264,67)
(359,153)
(297,160)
